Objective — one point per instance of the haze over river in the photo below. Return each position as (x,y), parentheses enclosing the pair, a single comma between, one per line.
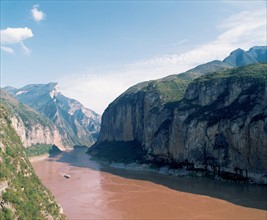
(97,191)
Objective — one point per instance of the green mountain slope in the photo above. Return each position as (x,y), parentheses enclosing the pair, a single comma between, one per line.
(22,196)
(172,88)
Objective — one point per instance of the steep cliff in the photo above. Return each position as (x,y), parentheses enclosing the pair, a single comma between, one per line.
(77,125)
(32,127)
(22,196)
(217,122)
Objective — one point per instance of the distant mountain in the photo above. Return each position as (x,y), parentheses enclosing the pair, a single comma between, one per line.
(240,57)
(32,127)
(10,89)
(22,196)
(77,125)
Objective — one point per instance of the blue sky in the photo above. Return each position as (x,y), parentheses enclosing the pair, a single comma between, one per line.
(97,49)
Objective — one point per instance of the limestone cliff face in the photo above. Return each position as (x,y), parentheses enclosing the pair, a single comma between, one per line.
(36,133)
(31,127)
(220,123)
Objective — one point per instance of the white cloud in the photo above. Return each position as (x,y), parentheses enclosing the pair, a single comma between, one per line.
(243,30)
(101,89)
(7,49)
(11,36)
(96,89)
(37,14)
(15,35)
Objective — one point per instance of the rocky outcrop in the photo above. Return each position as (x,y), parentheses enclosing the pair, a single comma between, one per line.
(219,123)
(32,127)
(76,124)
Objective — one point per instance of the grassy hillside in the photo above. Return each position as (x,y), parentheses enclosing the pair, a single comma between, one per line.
(21,193)
(258,71)
(172,88)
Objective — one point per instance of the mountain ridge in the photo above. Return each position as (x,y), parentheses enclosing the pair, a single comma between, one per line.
(240,57)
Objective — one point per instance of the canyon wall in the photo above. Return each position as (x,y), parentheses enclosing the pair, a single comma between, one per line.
(219,124)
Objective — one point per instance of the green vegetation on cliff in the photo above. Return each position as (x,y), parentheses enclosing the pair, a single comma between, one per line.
(171,90)
(256,71)
(21,193)
(38,149)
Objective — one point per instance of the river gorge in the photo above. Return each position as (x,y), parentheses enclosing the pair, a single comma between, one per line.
(98,191)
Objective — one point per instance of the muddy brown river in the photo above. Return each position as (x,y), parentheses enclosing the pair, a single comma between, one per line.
(96,191)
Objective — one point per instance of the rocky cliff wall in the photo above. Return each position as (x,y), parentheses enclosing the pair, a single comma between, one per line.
(220,124)
(36,133)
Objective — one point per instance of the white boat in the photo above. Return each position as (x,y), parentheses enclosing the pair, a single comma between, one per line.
(67,176)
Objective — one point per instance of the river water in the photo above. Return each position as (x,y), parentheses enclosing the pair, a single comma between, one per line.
(96,191)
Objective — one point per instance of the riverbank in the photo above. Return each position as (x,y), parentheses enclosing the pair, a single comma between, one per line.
(37,158)
(180,172)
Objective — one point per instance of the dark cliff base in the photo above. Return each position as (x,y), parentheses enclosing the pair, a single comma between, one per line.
(118,152)
(209,171)
(129,152)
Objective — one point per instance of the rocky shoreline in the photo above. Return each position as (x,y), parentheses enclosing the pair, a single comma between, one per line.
(201,173)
